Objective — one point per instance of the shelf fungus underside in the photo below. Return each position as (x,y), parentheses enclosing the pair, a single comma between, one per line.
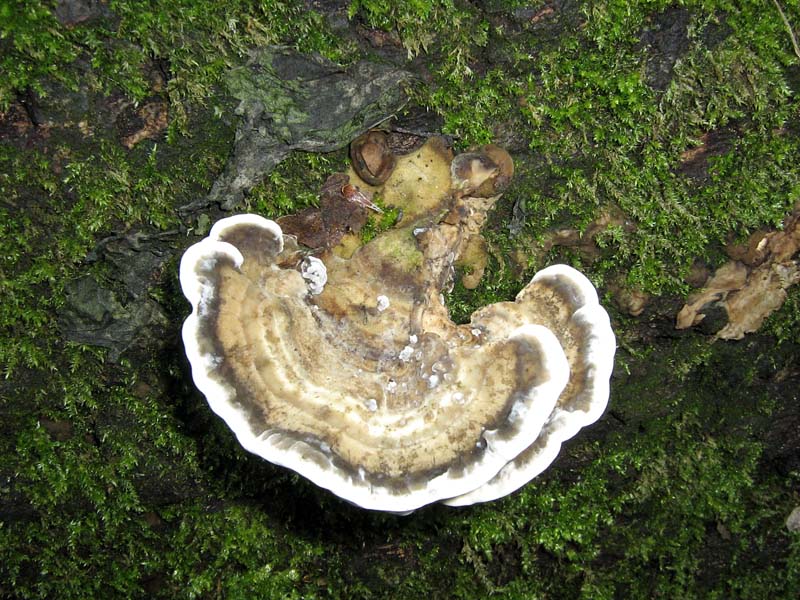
(363,384)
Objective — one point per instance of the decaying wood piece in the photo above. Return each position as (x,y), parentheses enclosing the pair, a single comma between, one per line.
(753,285)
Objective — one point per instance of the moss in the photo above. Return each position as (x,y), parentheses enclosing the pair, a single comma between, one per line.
(196,40)
(497,285)
(420,25)
(294,184)
(116,480)
(59,203)
(784,324)
(378,223)
(603,138)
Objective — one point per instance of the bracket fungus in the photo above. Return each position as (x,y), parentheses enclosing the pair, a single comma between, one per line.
(360,381)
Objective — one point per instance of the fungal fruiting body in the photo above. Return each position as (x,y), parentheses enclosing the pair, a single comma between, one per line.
(366,386)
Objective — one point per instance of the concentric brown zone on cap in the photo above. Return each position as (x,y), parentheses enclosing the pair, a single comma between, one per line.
(257,244)
(301,373)
(552,303)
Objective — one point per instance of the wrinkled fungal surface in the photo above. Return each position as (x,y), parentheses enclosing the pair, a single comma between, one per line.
(357,378)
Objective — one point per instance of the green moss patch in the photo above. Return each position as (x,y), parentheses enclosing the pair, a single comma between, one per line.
(116,480)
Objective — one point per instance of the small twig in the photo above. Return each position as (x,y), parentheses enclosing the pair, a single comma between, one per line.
(134,240)
(382,120)
(788,28)
(195,206)
(422,134)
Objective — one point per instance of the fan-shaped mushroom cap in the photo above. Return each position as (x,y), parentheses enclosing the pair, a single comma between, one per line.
(583,329)
(364,385)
